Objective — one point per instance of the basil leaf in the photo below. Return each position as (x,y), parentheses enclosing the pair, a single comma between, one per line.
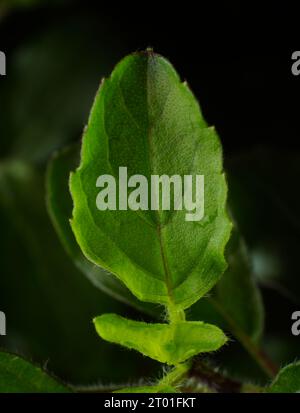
(145,119)
(19,376)
(287,380)
(167,343)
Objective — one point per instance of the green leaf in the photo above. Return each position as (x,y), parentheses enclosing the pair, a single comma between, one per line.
(287,380)
(144,118)
(18,375)
(148,389)
(59,204)
(167,343)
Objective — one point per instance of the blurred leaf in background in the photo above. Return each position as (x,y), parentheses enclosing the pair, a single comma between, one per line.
(264,190)
(11,5)
(265,201)
(19,375)
(54,72)
(49,305)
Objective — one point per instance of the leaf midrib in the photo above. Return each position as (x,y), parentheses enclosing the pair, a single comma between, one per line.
(159,229)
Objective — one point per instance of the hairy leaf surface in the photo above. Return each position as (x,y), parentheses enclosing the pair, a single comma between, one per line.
(145,119)
(18,375)
(287,380)
(167,343)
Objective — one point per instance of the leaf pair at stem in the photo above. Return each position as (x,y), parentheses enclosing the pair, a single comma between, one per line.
(146,119)
(168,343)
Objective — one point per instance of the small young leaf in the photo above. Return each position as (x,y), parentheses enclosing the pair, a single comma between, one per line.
(287,380)
(167,343)
(19,376)
(145,119)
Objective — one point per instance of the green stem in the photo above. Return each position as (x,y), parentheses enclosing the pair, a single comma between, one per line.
(176,375)
(174,314)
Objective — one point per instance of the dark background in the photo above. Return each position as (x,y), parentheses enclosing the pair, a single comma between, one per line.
(237,61)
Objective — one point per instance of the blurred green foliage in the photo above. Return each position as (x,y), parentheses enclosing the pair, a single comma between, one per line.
(48,304)
(18,375)
(45,99)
